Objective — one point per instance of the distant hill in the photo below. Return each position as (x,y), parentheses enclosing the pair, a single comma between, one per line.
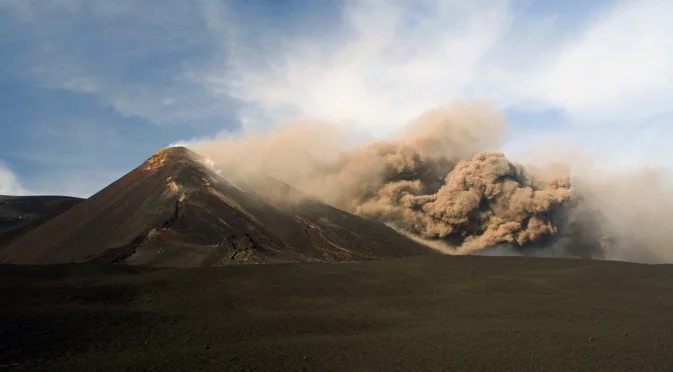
(19,215)
(175,211)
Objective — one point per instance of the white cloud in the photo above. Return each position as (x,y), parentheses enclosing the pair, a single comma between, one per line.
(134,55)
(393,69)
(620,68)
(9,183)
(406,57)
(388,61)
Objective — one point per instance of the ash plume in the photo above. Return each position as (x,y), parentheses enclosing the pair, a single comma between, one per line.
(484,201)
(440,181)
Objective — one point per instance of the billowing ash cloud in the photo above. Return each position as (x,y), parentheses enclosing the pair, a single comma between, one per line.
(483,202)
(436,182)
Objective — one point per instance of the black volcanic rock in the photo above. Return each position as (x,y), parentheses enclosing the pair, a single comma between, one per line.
(175,211)
(19,215)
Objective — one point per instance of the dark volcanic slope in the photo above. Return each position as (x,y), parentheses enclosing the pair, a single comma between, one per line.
(412,314)
(21,214)
(174,211)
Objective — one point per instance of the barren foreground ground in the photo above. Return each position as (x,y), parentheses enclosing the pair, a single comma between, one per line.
(413,314)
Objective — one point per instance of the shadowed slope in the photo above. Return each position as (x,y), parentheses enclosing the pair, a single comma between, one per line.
(175,211)
(19,215)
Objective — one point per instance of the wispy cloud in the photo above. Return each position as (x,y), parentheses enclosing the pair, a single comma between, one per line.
(9,183)
(396,59)
(381,64)
(393,61)
(135,56)
(619,69)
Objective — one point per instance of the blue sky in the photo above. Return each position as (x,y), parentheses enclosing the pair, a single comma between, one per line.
(90,88)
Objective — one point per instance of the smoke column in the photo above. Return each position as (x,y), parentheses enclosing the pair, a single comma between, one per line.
(441,181)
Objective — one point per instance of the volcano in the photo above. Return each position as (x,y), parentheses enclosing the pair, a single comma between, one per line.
(176,211)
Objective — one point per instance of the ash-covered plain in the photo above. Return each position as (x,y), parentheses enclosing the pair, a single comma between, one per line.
(438,313)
